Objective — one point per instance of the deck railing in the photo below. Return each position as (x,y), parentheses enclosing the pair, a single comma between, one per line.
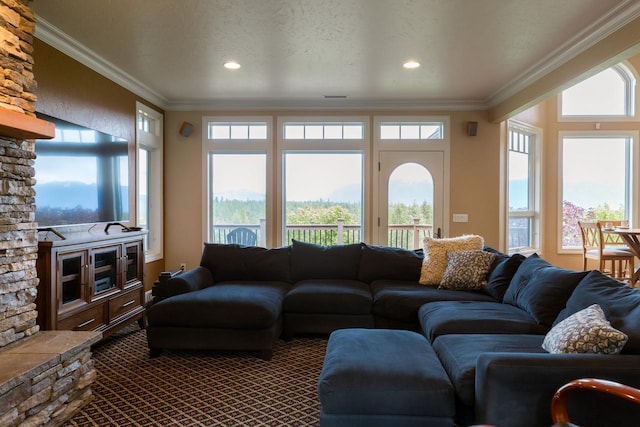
(408,236)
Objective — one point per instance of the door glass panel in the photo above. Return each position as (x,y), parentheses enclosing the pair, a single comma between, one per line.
(410,208)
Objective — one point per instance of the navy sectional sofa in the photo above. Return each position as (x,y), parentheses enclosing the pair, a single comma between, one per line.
(489,341)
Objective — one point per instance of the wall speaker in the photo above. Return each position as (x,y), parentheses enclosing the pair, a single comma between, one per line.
(186,129)
(472,128)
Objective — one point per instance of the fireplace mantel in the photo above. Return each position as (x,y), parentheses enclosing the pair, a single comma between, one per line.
(14,124)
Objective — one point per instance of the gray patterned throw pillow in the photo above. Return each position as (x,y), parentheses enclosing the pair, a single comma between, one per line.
(467,269)
(586,331)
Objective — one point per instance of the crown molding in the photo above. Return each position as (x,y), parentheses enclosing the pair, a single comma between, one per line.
(581,42)
(56,38)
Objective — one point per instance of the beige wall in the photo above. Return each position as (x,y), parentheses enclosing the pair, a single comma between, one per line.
(70,91)
(474,178)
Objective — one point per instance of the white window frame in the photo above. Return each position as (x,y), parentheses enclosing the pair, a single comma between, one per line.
(632,181)
(535,186)
(328,146)
(153,142)
(629,77)
(236,146)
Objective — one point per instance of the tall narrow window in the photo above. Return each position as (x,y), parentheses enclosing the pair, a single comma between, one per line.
(149,139)
(523,219)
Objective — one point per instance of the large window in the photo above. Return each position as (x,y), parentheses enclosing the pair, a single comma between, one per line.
(149,137)
(237,152)
(596,180)
(322,162)
(597,168)
(523,188)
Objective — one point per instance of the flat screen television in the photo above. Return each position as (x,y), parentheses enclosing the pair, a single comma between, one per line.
(82,176)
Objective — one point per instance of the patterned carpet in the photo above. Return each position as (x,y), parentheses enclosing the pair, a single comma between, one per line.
(203,388)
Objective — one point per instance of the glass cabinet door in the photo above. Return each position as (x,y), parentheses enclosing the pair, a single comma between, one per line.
(105,269)
(133,259)
(71,271)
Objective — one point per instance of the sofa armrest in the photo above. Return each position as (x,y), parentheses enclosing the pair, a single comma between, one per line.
(515,389)
(170,284)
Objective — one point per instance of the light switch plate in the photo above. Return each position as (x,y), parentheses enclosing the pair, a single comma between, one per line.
(460,218)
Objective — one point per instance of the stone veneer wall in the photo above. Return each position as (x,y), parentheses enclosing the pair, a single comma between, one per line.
(45,377)
(18,239)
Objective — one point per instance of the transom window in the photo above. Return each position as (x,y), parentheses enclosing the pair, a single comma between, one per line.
(410,131)
(323,131)
(237,130)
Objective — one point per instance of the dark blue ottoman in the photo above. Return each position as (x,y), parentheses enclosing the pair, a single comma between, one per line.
(379,377)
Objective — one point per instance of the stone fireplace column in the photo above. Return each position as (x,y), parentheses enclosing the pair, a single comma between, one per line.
(46,376)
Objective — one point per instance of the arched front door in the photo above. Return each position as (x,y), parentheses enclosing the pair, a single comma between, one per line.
(411,198)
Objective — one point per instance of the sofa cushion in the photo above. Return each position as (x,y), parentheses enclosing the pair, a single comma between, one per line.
(459,353)
(473,317)
(329,297)
(384,262)
(619,302)
(587,331)
(542,289)
(309,261)
(235,262)
(435,255)
(229,305)
(467,269)
(501,273)
(400,300)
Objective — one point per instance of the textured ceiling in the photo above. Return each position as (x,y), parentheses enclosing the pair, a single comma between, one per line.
(293,53)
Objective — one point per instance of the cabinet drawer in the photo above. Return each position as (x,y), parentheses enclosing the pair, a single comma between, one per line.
(86,320)
(124,303)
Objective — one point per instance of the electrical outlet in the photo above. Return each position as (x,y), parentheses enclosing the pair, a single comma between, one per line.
(183,266)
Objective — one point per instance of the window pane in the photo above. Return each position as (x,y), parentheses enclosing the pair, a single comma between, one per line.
(239,132)
(143,192)
(258,132)
(333,132)
(219,132)
(592,189)
(313,132)
(410,132)
(353,132)
(238,194)
(320,189)
(294,132)
(601,95)
(389,132)
(519,185)
(520,233)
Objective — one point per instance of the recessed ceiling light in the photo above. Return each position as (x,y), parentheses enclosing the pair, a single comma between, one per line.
(411,64)
(231,65)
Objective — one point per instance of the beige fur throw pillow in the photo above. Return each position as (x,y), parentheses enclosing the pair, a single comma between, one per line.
(435,255)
